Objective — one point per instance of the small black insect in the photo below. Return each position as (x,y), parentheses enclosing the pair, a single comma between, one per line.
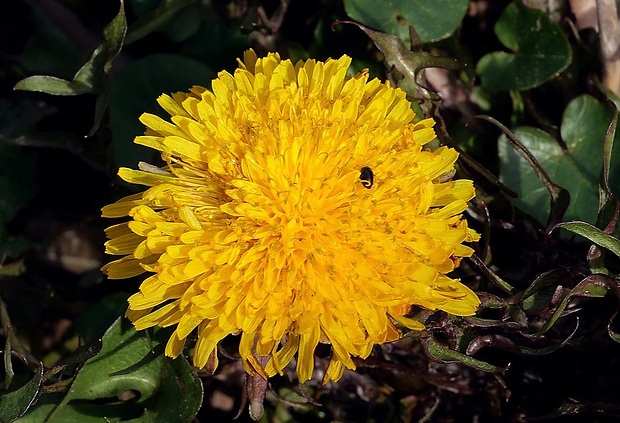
(367,177)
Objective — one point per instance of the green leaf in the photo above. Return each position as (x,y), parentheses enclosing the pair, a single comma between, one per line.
(538,295)
(593,286)
(540,51)
(576,168)
(444,354)
(92,76)
(14,404)
(609,206)
(55,86)
(135,91)
(13,269)
(164,390)
(494,278)
(522,168)
(584,129)
(432,20)
(594,234)
(608,148)
(79,357)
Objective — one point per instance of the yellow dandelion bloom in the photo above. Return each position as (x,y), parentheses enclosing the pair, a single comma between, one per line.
(297,206)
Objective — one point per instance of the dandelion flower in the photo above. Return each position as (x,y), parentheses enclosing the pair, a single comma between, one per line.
(297,205)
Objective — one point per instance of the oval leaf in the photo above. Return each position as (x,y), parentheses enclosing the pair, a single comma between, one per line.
(518,174)
(432,20)
(163,389)
(577,168)
(540,51)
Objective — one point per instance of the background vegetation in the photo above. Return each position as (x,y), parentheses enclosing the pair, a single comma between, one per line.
(526,90)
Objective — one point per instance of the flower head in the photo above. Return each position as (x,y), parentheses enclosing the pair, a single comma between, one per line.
(297,206)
